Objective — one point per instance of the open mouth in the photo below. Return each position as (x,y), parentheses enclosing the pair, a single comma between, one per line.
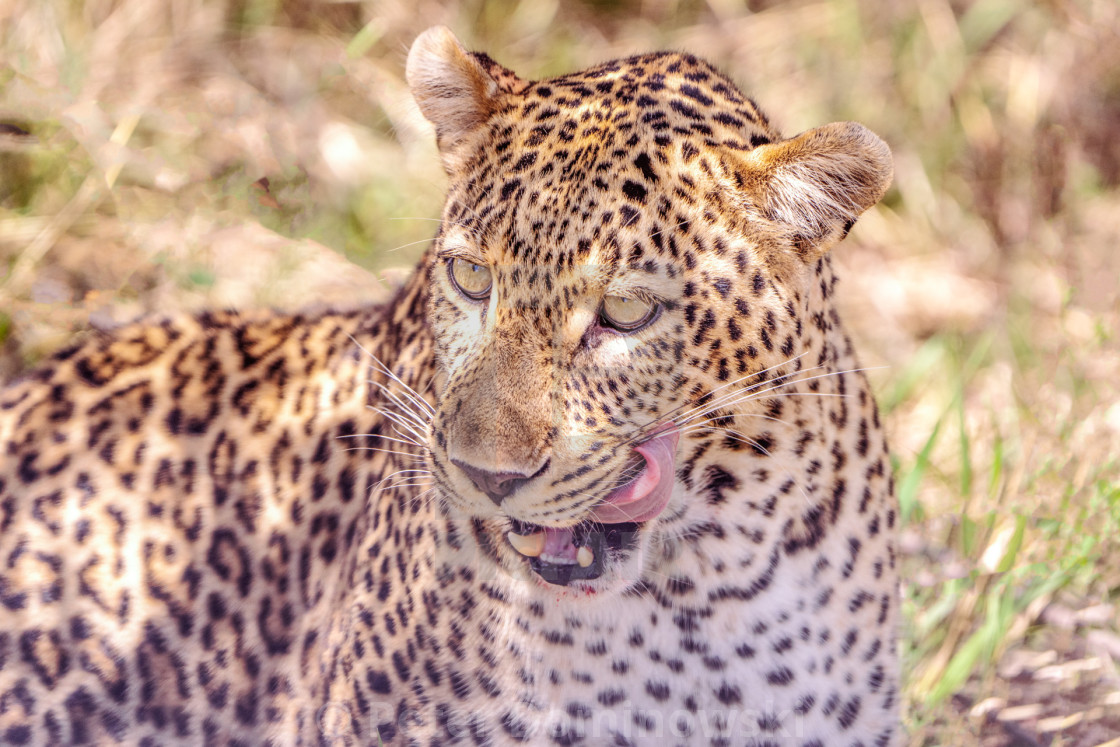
(560,555)
(574,553)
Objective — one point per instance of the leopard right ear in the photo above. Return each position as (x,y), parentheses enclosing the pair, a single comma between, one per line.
(457,90)
(815,185)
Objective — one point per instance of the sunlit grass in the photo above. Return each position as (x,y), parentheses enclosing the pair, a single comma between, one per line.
(1004,516)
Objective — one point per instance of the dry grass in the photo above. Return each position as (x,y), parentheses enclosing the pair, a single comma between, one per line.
(174,154)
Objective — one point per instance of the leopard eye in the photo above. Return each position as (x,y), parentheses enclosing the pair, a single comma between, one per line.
(627,314)
(472,280)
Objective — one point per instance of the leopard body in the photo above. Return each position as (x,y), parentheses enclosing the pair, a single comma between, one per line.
(270,528)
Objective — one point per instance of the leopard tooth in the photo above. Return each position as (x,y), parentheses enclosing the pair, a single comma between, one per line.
(585,557)
(529,545)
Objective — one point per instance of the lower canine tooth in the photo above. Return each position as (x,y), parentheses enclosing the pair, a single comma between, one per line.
(529,545)
(585,557)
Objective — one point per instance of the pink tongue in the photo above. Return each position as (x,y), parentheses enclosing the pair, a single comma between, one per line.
(646,495)
(641,499)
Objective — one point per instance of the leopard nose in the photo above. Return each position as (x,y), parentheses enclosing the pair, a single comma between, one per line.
(496,485)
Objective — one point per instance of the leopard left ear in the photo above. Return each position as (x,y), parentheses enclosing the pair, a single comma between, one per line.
(814,186)
(457,90)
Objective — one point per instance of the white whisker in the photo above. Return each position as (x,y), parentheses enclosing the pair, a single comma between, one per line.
(415,429)
(414,457)
(409,391)
(748,394)
(688,409)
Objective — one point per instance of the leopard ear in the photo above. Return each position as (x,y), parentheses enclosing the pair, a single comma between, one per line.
(815,185)
(456,90)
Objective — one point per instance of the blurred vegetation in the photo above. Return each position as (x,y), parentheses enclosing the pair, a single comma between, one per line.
(158,155)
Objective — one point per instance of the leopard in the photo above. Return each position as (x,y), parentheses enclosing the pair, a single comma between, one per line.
(605,470)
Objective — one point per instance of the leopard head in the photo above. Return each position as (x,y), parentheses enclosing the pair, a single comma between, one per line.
(622,252)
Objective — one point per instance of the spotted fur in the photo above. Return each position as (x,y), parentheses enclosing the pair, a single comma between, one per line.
(271,529)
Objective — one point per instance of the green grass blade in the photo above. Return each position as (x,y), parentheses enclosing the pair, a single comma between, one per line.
(912,480)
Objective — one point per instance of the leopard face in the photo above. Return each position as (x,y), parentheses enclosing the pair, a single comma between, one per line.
(626,278)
